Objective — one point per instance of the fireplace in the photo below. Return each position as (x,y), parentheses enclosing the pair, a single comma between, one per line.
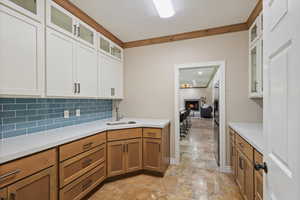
(193,104)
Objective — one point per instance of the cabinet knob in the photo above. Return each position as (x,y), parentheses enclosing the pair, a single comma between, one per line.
(263,166)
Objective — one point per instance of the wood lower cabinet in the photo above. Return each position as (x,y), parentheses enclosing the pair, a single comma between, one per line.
(156,149)
(38,186)
(243,158)
(152,154)
(124,156)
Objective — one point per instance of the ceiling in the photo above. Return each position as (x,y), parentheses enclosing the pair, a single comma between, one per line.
(132,20)
(192,77)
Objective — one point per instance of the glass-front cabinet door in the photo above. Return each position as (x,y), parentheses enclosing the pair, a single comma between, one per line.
(116,52)
(104,45)
(86,34)
(31,8)
(255,71)
(60,19)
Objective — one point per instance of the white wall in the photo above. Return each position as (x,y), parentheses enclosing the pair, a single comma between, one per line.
(149,77)
(194,93)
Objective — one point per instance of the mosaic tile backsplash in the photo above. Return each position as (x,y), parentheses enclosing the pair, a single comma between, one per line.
(26,116)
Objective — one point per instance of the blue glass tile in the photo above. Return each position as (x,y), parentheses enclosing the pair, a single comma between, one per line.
(14,133)
(14,107)
(22,113)
(8,127)
(7,100)
(14,120)
(35,118)
(36,129)
(36,106)
(25,125)
(45,122)
(7,114)
(26,100)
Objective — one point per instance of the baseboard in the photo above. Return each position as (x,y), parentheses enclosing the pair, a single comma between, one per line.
(174,161)
(226,169)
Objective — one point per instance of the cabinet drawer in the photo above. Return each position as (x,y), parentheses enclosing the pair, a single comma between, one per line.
(84,184)
(245,147)
(124,134)
(232,135)
(72,149)
(152,133)
(15,170)
(77,166)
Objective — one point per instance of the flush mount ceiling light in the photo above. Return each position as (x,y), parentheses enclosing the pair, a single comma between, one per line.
(200,73)
(164,8)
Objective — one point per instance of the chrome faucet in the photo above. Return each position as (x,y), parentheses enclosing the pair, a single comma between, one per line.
(118,116)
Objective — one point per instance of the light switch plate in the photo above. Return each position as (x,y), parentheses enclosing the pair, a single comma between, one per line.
(66,114)
(77,112)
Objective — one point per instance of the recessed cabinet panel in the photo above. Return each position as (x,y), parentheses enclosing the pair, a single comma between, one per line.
(21,54)
(134,152)
(86,71)
(116,52)
(152,154)
(60,62)
(39,186)
(116,158)
(3,194)
(111,77)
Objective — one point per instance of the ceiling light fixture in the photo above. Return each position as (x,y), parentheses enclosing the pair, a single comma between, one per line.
(200,73)
(164,8)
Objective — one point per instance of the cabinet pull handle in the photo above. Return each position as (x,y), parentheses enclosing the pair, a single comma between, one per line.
(78,88)
(87,184)
(87,146)
(86,162)
(263,166)
(12,196)
(75,88)
(127,148)
(112,91)
(159,148)
(241,163)
(75,29)
(78,31)
(4,176)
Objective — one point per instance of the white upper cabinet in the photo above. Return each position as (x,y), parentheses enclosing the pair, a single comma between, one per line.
(31,8)
(60,65)
(63,21)
(86,71)
(110,77)
(71,67)
(21,54)
(256,58)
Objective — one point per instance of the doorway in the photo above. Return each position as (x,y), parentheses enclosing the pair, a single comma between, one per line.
(197,105)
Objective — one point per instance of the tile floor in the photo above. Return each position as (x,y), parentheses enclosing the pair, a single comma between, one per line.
(195,178)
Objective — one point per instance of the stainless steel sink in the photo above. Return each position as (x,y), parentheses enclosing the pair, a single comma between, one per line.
(120,123)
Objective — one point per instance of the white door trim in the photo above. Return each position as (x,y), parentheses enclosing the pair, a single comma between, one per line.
(222,65)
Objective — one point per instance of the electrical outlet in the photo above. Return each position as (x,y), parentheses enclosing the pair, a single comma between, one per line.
(66,114)
(77,112)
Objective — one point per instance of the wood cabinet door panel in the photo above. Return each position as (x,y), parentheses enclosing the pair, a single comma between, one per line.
(240,175)
(38,186)
(115,158)
(134,153)
(152,154)
(152,133)
(233,158)
(248,181)
(124,134)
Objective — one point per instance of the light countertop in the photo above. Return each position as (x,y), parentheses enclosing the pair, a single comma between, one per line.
(251,132)
(20,146)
